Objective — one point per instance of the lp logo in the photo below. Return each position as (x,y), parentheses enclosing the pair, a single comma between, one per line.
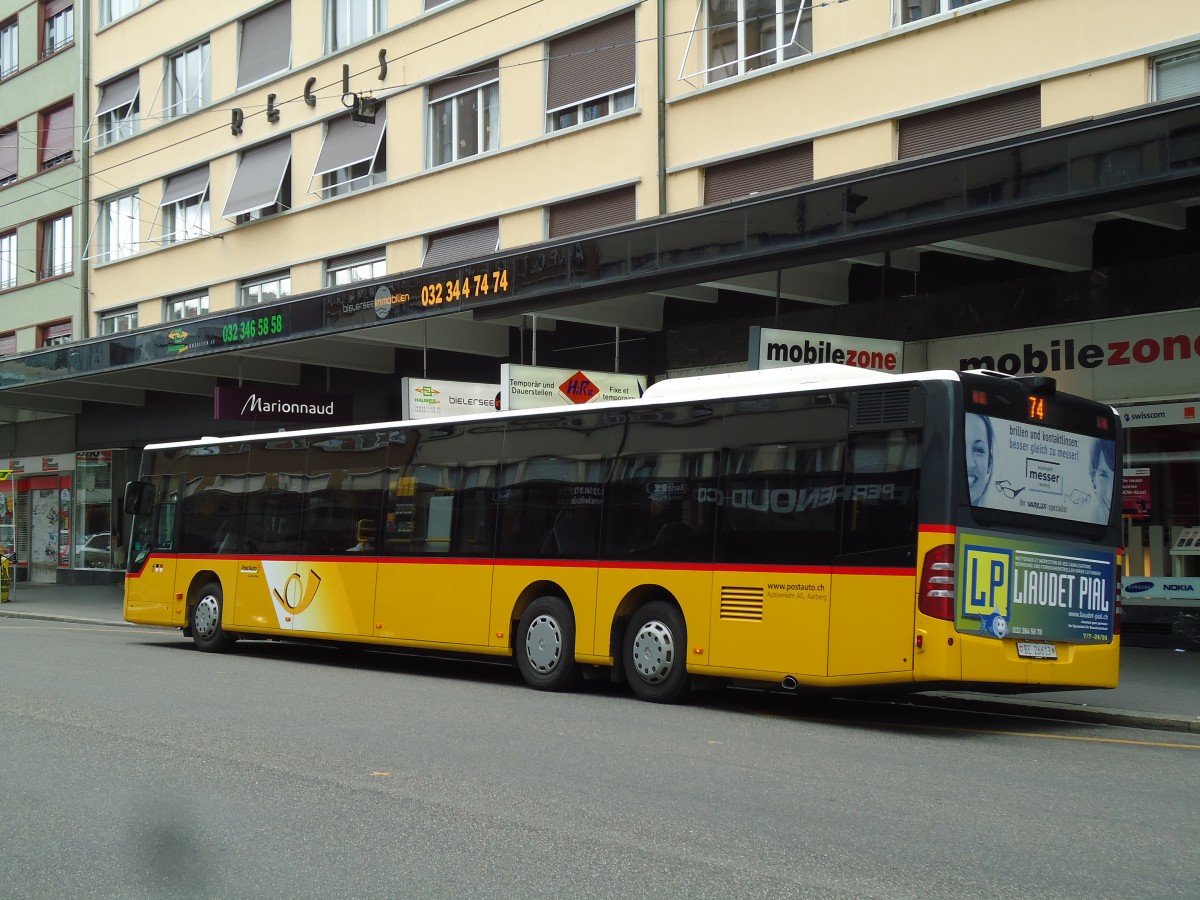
(987,581)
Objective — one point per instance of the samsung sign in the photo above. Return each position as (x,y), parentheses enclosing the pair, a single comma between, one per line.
(270,405)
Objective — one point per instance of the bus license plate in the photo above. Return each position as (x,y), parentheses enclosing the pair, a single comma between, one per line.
(1032,650)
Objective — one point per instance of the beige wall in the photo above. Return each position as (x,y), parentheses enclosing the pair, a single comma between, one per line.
(1090,56)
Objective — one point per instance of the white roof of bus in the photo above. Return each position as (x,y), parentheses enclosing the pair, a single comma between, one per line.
(754,382)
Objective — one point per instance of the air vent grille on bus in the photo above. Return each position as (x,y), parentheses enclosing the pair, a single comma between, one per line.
(883,407)
(742,603)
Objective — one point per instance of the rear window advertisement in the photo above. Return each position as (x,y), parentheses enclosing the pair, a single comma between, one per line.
(1039,471)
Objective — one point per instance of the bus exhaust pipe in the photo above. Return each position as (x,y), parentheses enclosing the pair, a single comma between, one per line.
(789,683)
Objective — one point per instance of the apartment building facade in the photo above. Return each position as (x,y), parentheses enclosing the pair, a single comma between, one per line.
(302,195)
(43,218)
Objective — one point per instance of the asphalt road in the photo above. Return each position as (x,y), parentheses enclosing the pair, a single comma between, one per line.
(134,766)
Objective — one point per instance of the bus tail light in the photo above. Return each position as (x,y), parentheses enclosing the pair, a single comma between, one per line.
(1117,611)
(936,598)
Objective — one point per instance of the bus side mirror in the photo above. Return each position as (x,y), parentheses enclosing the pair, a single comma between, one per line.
(139,498)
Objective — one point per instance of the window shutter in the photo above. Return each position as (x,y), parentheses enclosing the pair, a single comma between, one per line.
(185,185)
(757,174)
(8,343)
(462,243)
(52,8)
(447,87)
(361,258)
(348,143)
(259,177)
(593,62)
(118,93)
(1177,76)
(597,211)
(8,152)
(58,132)
(266,44)
(971,123)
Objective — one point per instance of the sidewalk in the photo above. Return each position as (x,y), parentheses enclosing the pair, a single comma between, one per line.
(1159,689)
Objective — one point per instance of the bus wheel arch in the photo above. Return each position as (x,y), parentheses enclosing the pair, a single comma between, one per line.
(206,605)
(544,640)
(650,640)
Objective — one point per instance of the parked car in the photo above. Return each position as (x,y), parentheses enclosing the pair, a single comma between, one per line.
(96,551)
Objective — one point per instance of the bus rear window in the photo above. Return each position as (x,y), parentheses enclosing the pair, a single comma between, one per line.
(1034,468)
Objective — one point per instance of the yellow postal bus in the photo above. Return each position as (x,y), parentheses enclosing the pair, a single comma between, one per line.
(815,526)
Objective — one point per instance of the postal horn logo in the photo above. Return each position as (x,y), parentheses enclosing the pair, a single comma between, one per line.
(176,339)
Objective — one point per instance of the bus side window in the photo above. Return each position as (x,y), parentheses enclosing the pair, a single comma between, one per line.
(880,495)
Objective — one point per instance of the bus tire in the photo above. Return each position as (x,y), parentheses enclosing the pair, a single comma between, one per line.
(207,633)
(545,645)
(654,653)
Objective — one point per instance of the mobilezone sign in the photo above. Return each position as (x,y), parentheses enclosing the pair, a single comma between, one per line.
(1110,359)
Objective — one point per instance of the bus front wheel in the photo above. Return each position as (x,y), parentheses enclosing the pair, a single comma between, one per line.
(655,653)
(545,645)
(207,633)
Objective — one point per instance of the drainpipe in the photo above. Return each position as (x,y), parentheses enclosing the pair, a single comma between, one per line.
(662,107)
(85,163)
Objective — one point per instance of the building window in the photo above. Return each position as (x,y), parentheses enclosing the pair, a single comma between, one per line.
(266,46)
(353,156)
(8,48)
(458,244)
(745,35)
(186,307)
(119,320)
(8,260)
(54,334)
(185,206)
(8,154)
(434,4)
(188,81)
(8,343)
(591,73)
(117,111)
(118,227)
(464,115)
(263,184)
(57,135)
(591,212)
(59,28)
(57,246)
(266,288)
(350,21)
(354,267)
(911,10)
(111,10)
(1177,75)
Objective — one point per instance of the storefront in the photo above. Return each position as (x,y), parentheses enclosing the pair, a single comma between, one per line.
(60,517)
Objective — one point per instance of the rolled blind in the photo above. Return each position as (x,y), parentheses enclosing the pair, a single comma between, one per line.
(971,123)
(259,177)
(587,213)
(462,243)
(8,152)
(118,93)
(755,174)
(1177,76)
(266,44)
(456,84)
(593,62)
(348,143)
(58,132)
(185,185)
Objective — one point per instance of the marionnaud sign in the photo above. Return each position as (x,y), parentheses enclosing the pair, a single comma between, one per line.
(1110,359)
(430,398)
(771,348)
(528,387)
(271,405)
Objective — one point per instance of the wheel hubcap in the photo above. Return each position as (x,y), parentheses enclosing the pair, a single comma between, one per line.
(654,652)
(543,643)
(206,616)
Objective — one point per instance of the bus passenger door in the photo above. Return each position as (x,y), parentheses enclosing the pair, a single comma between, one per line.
(872,604)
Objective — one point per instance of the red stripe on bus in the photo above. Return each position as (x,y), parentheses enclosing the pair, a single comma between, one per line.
(939,529)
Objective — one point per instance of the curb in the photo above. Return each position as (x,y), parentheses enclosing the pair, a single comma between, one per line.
(1042,709)
(1050,709)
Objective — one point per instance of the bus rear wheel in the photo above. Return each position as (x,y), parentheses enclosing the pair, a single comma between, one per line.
(545,645)
(207,633)
(654,653)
